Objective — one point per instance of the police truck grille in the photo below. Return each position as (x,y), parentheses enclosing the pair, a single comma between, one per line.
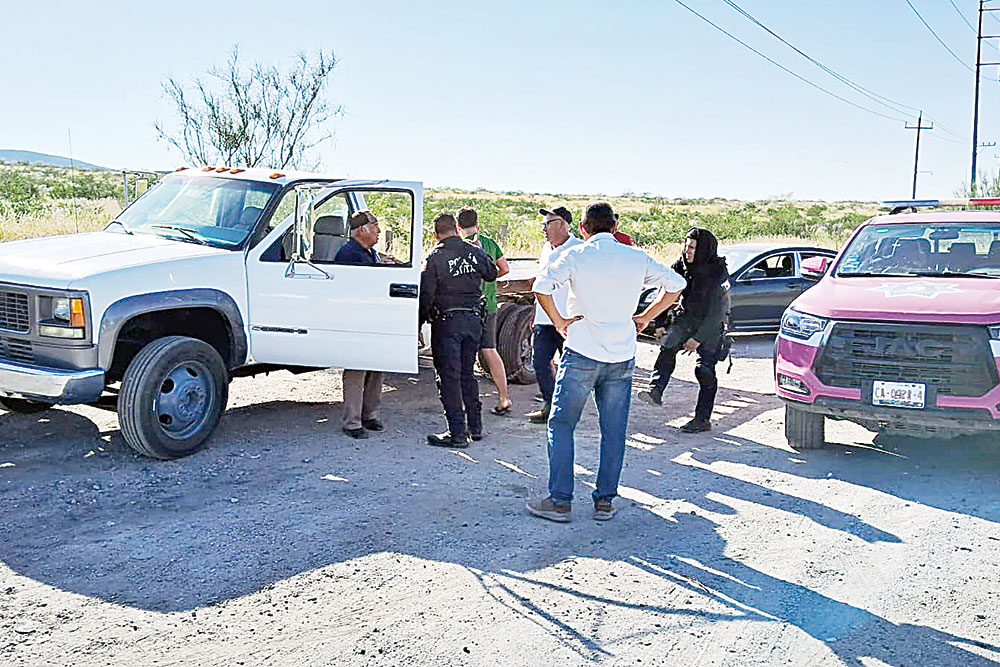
(954,360)
(14,312)
(16,350)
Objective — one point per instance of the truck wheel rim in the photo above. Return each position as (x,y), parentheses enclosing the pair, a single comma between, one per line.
(183,399)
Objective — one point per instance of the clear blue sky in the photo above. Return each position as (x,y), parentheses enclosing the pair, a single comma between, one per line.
(564,97)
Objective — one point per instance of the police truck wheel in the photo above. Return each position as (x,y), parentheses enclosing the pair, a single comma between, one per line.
(804,430)
(23,406)
(172,396)
(514,342)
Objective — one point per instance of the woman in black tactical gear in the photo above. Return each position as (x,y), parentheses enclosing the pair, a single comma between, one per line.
(698,323)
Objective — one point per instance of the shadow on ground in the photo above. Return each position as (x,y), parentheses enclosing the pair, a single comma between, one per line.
(253,508)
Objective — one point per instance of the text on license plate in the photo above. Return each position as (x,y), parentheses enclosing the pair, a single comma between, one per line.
(899,394)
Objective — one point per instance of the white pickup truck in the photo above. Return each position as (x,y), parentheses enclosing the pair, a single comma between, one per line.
(211,274)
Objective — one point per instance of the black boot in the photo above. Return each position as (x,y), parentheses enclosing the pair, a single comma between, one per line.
(446,439)
(697,425)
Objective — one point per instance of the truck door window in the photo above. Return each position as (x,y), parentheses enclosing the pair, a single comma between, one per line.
(394,212)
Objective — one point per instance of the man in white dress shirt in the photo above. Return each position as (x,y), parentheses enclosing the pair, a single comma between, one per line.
(546,341)
(605,279)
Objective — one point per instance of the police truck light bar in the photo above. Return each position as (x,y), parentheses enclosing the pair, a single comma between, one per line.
(904,204)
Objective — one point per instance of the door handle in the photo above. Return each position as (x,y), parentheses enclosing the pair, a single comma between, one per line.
(403,290)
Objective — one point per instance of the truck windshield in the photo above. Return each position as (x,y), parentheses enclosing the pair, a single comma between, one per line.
(924,250)
(200,209)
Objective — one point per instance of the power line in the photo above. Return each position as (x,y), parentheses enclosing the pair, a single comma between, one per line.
(941,41)
(879,99)
(971,27)
(785,69)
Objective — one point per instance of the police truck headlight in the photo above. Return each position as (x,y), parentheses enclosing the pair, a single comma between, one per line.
(799,325)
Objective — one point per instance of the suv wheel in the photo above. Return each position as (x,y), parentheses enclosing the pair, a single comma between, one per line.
(804,430)
(23,406)
(172,396)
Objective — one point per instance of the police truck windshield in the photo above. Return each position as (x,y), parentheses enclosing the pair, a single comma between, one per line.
(971,250)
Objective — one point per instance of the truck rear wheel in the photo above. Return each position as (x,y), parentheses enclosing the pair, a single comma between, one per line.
(514,340)
(804,430)
(172,396)
(23,406)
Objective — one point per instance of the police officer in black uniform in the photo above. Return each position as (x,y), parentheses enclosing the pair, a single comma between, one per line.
(451,300)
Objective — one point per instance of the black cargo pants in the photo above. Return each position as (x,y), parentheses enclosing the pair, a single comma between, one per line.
(455,339)
(704,370)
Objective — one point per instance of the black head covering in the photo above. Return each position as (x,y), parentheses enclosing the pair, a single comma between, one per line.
(703,275)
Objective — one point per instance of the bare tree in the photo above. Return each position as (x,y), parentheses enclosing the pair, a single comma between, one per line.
(252,116)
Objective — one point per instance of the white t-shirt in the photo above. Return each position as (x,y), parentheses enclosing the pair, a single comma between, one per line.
(605,279)
(548,255)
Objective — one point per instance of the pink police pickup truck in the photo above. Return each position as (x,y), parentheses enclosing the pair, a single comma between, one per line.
(902,331)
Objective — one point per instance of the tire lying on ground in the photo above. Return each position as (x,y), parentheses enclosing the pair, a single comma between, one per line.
(514,338)
(172,396)
(23,406)
(804,430)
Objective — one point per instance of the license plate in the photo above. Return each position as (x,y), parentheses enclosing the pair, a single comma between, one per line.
(899,394)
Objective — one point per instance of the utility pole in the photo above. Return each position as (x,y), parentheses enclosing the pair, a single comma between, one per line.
(975,104)
(979,64)
(916,156)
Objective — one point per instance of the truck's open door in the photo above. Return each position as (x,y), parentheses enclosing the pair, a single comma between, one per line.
(306,310)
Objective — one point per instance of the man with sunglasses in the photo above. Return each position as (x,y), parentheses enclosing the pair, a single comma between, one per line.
(546,340)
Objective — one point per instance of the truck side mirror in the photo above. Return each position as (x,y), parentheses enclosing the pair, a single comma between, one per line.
(305,212)
(815,268)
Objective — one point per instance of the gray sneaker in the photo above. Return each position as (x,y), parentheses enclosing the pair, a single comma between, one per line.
(551,510)
(541,415)
(652,397)
(603,510)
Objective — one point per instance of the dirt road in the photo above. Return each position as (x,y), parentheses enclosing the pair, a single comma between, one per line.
(285,542)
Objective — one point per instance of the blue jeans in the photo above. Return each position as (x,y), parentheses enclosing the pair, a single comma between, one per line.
(545,344)
(611,385)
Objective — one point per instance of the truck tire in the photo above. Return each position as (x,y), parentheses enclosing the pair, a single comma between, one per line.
(172,396)
(804,430)
(23,406)
(514,343)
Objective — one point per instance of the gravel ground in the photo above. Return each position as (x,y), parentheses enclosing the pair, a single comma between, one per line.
(285,542)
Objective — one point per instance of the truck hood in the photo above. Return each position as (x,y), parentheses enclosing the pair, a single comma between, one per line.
(58,261)
(941,300)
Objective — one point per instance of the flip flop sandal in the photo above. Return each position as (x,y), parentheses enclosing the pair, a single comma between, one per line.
(500,411)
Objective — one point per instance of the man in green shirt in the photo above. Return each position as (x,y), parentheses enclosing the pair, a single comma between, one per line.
(468,223)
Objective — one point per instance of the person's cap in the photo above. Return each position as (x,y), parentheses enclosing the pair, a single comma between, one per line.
(361,218)
(560,211)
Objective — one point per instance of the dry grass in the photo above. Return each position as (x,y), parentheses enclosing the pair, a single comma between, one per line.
(62,217)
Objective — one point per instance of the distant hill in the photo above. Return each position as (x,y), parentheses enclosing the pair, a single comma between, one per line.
(31,157)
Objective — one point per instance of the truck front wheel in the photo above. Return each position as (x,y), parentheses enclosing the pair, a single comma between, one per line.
(172,396)
(804,430)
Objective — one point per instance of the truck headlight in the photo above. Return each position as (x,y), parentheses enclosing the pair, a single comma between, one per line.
(62,317)
(60,309)
(799,325)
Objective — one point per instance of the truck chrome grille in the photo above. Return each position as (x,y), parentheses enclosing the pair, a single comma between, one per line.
(14,312)
(954,360)
(17,350)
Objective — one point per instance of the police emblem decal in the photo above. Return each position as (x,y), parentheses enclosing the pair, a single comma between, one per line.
(924,289)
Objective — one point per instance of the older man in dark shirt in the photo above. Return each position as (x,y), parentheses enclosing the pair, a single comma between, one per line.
(362,389)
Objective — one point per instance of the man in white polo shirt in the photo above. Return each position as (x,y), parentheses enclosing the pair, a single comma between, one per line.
(546,341)
(605,279)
